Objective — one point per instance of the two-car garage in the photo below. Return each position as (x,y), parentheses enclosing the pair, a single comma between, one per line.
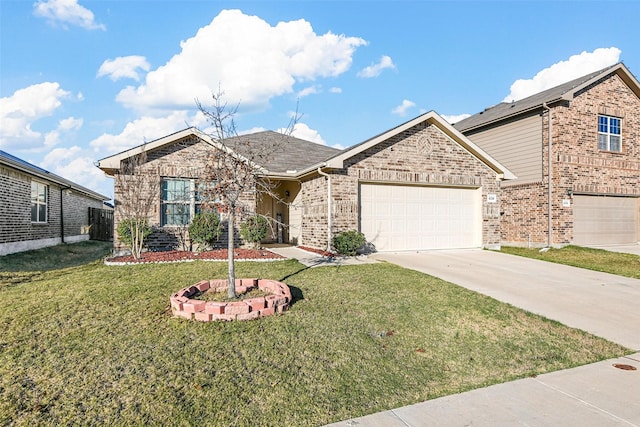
(411,217)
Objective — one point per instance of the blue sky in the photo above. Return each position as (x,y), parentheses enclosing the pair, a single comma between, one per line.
(81,80)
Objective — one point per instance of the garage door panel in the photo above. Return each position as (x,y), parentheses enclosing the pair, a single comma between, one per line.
(605,220)
(417,218)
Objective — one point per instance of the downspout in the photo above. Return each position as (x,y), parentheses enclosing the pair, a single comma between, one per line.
(328,207)
(550,179)
(62,189)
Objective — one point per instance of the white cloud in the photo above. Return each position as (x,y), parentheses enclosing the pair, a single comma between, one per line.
(335,90)
(310,90)
(124,67)
(145,129)
(65,12)
(375,69)
(69,124)
(19,111)
(455,118)
(248,58)
(77,165)
(564,71)
(401,109)
(303,131)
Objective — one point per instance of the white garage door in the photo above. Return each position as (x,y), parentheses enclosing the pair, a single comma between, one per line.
(604,220)
(396,218)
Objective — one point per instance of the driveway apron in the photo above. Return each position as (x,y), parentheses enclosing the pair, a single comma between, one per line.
(603,304)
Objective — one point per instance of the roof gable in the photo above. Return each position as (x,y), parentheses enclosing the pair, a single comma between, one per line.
(564,92)
(431,118)
(285,155)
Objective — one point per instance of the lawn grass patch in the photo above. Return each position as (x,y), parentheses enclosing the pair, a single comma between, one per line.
(622,264)
(94,344)
(55,257)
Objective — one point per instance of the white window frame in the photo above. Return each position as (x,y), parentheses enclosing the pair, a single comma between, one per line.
(609,133)
(39,203)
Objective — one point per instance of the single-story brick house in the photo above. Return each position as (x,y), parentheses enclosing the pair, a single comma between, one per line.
(420,185)
(40,209)
(593,196)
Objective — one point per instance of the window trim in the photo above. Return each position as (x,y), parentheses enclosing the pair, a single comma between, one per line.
(607,133)
(39,203)
(192,202)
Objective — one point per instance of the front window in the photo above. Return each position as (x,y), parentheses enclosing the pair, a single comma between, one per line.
(178,201)
(609,133)
(39,199)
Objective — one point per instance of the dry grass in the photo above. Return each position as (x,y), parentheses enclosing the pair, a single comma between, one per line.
(593,259)
(97,345)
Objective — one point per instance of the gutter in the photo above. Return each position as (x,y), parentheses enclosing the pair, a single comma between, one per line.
(328,207)
(512,115)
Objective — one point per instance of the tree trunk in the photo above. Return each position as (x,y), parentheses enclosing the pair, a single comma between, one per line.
(230,255)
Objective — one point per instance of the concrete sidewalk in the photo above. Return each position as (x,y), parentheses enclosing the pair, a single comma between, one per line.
(593,395)
(598,394)
(311,259)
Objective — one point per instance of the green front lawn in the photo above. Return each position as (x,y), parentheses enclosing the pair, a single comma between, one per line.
(93,344)
(593,259)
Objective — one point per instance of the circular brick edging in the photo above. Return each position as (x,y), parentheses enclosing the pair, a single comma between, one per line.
(248,309)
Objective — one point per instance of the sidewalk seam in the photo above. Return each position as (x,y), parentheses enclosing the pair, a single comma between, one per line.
(400,418)
(584,402)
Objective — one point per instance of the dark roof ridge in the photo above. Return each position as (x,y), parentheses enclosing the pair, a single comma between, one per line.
(508,109)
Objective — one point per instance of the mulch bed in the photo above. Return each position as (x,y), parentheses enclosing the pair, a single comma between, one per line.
(182,256)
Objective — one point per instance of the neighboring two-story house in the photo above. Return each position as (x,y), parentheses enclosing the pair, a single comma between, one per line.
(575,150)
(40,209)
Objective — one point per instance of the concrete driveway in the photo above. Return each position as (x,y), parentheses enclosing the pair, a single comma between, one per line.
(603,304)
(627,249)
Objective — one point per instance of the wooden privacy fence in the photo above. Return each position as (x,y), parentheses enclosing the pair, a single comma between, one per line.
(101,224)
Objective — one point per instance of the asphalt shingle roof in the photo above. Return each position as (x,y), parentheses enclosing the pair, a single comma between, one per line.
(508,109)
(284,152)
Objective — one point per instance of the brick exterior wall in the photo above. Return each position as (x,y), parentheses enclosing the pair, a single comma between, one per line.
(401,159)
(184,159)
(577,164)
(18,233)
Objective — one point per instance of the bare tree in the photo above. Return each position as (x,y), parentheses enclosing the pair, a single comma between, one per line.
(136,188)
(234,171)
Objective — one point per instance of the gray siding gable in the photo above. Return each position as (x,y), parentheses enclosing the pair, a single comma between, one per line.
(518,144)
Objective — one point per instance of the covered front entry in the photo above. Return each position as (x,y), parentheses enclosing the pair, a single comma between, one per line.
(407,217)
(600,220)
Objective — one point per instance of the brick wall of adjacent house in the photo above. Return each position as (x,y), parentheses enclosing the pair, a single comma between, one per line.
(18,233)
(578,164)
(185,159)
(402,159)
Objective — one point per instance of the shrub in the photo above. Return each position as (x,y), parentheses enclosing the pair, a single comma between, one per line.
(347,242)
(134,233)
(205,229)
(254,229)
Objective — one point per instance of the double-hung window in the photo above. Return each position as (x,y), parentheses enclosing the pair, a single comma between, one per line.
(39,200)
(178,201)
(609,133)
